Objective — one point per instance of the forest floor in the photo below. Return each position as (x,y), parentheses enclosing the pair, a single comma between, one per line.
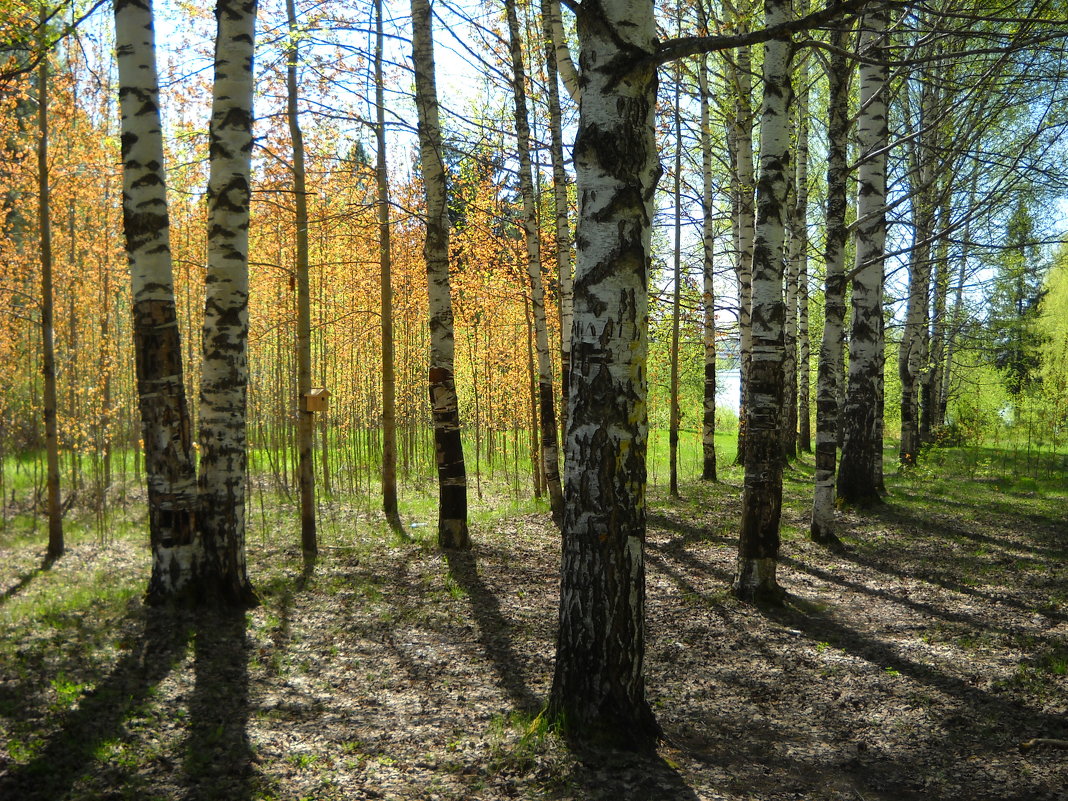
(915,664)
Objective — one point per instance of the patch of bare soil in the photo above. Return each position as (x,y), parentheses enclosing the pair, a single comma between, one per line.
(911,666)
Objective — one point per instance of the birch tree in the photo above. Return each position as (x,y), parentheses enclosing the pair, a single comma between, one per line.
(740,143)
(859,475)
(166,430)
(598,686)
(550,458)
(708,417)
(448,449)
(224,372)
(758,540)
(598,691)
(830,357)
(550,12)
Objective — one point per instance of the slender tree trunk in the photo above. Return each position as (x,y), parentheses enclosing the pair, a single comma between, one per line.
(708,421)
(912,352)
(448,448)
(389,381)
(758,541)
(562,54)
(830,359)
(166,429)
(789,364)
(801,408)
(958,307)
(560,205)
(676,299)
(740,140)
(931,376)
(48,351)
(305,418)
(550,456)
(860,472)
(224,374)
(598,691)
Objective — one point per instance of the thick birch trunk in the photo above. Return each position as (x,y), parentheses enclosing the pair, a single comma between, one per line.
(758,541)
(860,472)
(708,419)
(830,359)
(598,691)
(305,418)
(448,448)
(550,456)
(166,431)
(224,374)
(385,257)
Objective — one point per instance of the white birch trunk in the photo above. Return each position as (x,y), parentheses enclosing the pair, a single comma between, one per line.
(758,541)
(560,207)
(550,457)
(598,688)
(740,140)
(166,431)
(830,357)
(708,242)
(224,374)
(859,476)
(448,449)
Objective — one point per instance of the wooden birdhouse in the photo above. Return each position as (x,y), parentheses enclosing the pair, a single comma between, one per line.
(315,400)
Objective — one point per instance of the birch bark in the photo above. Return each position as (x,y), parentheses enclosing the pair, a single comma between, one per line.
(860,472)
(740,140)
(166,430)
(830,358)
(448,448)
(560,203)
(598,690)
(758,541)
(550,457)
(224,373)
(708,419)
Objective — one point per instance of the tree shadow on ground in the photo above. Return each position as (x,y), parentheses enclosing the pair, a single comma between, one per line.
(620,776)
(493,630)
(218,759)
(99,717)
(22,582)
(977,704)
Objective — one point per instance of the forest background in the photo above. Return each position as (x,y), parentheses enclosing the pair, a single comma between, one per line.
(993,306)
